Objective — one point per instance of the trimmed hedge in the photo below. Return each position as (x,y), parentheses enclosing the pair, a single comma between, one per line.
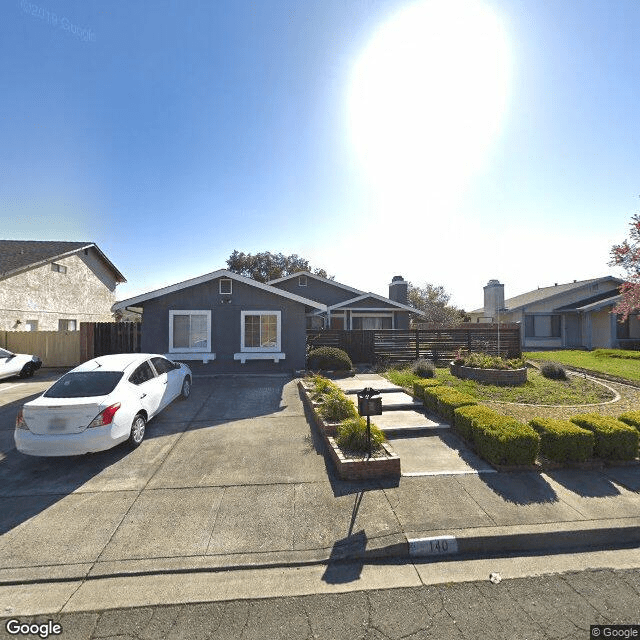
(420,385)
(329,359)
(498,439)
(563,441)
(614,440)
(445,400)
(632,418)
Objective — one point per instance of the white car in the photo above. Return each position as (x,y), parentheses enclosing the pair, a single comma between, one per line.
(101,403)
(17,364)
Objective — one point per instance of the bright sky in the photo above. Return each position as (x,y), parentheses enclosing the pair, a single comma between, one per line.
(448,141)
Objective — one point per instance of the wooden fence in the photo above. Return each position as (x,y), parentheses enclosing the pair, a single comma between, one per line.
(70,348)
(55,348)
(438,344)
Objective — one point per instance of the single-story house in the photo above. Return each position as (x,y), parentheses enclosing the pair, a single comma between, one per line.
(55,285)
(573,315)
(233,323)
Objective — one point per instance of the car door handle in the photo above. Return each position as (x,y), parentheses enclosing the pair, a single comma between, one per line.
(144,395)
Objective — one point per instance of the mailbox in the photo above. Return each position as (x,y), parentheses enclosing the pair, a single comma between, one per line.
(370,406)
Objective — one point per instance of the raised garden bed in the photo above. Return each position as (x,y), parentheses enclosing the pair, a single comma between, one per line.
(352,466)
(500,377)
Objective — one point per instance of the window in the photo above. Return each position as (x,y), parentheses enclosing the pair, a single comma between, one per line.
(542,326)
(162,365)
(67,325)
(372,322)
(85,384)
(30,325)
(622,328)
(142,373)
(260,330)
(59,268)
(302,281)
(224,286)
(189,331)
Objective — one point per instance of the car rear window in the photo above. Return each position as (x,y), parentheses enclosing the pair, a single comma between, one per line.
(84,384)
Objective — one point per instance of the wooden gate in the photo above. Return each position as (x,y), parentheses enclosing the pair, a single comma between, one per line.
(104,338)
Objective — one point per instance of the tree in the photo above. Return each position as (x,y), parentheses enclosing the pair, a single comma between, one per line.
(627,256)
(267,266)
(433,301)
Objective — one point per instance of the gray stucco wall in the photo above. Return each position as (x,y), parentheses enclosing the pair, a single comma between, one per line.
(226,325)
(84,293)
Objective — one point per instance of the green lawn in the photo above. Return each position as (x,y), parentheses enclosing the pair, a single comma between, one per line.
(537,390)
(623,364)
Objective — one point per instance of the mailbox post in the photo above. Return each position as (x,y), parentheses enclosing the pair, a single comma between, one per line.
(368,406)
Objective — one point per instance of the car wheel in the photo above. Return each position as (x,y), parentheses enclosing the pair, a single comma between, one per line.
(186,388)
(27,371)
(137,431)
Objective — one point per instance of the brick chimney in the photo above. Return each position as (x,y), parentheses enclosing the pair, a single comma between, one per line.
(493,299)
(399,290)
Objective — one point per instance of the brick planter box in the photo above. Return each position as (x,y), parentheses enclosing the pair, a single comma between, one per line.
(384,465)
(501,377)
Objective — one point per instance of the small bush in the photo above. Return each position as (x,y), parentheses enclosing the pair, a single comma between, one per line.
(614,440)
(337,407)
(352,435)
(498,439)
(328,359)
(486,361)
(420,385)
(423,368)
(553,371)
(563,441)
(632,418)
(444,400)
(321,387)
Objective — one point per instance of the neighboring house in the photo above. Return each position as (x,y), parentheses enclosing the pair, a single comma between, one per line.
(577,314)
(236,324)
(51,286)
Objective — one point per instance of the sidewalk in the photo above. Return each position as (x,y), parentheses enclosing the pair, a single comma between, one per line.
(222,495)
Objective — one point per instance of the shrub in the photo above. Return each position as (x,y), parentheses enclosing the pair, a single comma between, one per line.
(444,400)
(614,440)
(498,439)
(329,359)
(321,387)
(563,441)
(352,435)
(553,371)
(486,361)
(420,385)
(632,418)
(423,368)
(336,407)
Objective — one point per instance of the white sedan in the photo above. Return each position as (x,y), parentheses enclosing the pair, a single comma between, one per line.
(18,364)
(101,403)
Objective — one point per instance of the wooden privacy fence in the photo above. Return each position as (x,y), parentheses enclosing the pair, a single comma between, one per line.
(438,344)
(104,338)
(55,348)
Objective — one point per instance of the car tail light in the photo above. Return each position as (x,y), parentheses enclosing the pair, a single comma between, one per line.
(20,422)
(105,416)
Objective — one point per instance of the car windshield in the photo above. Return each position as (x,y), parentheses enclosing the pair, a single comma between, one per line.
(84,384)
(5,354)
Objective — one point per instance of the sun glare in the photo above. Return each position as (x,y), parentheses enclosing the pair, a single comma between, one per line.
(427,97)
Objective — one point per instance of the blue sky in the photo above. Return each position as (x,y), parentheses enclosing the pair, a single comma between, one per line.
(449,142)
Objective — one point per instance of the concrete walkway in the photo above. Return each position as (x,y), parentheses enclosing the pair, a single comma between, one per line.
(234,484)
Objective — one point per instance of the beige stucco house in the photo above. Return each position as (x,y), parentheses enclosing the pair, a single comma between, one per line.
(51,286)
(573,315)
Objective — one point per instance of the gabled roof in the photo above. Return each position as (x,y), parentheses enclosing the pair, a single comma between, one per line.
(19,255)
(316,277)
(221,273)
(366,296)
(548,293)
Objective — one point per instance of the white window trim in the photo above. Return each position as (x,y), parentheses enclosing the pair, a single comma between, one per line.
(243,357)
(272,350)
(183,350)
(225,293)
